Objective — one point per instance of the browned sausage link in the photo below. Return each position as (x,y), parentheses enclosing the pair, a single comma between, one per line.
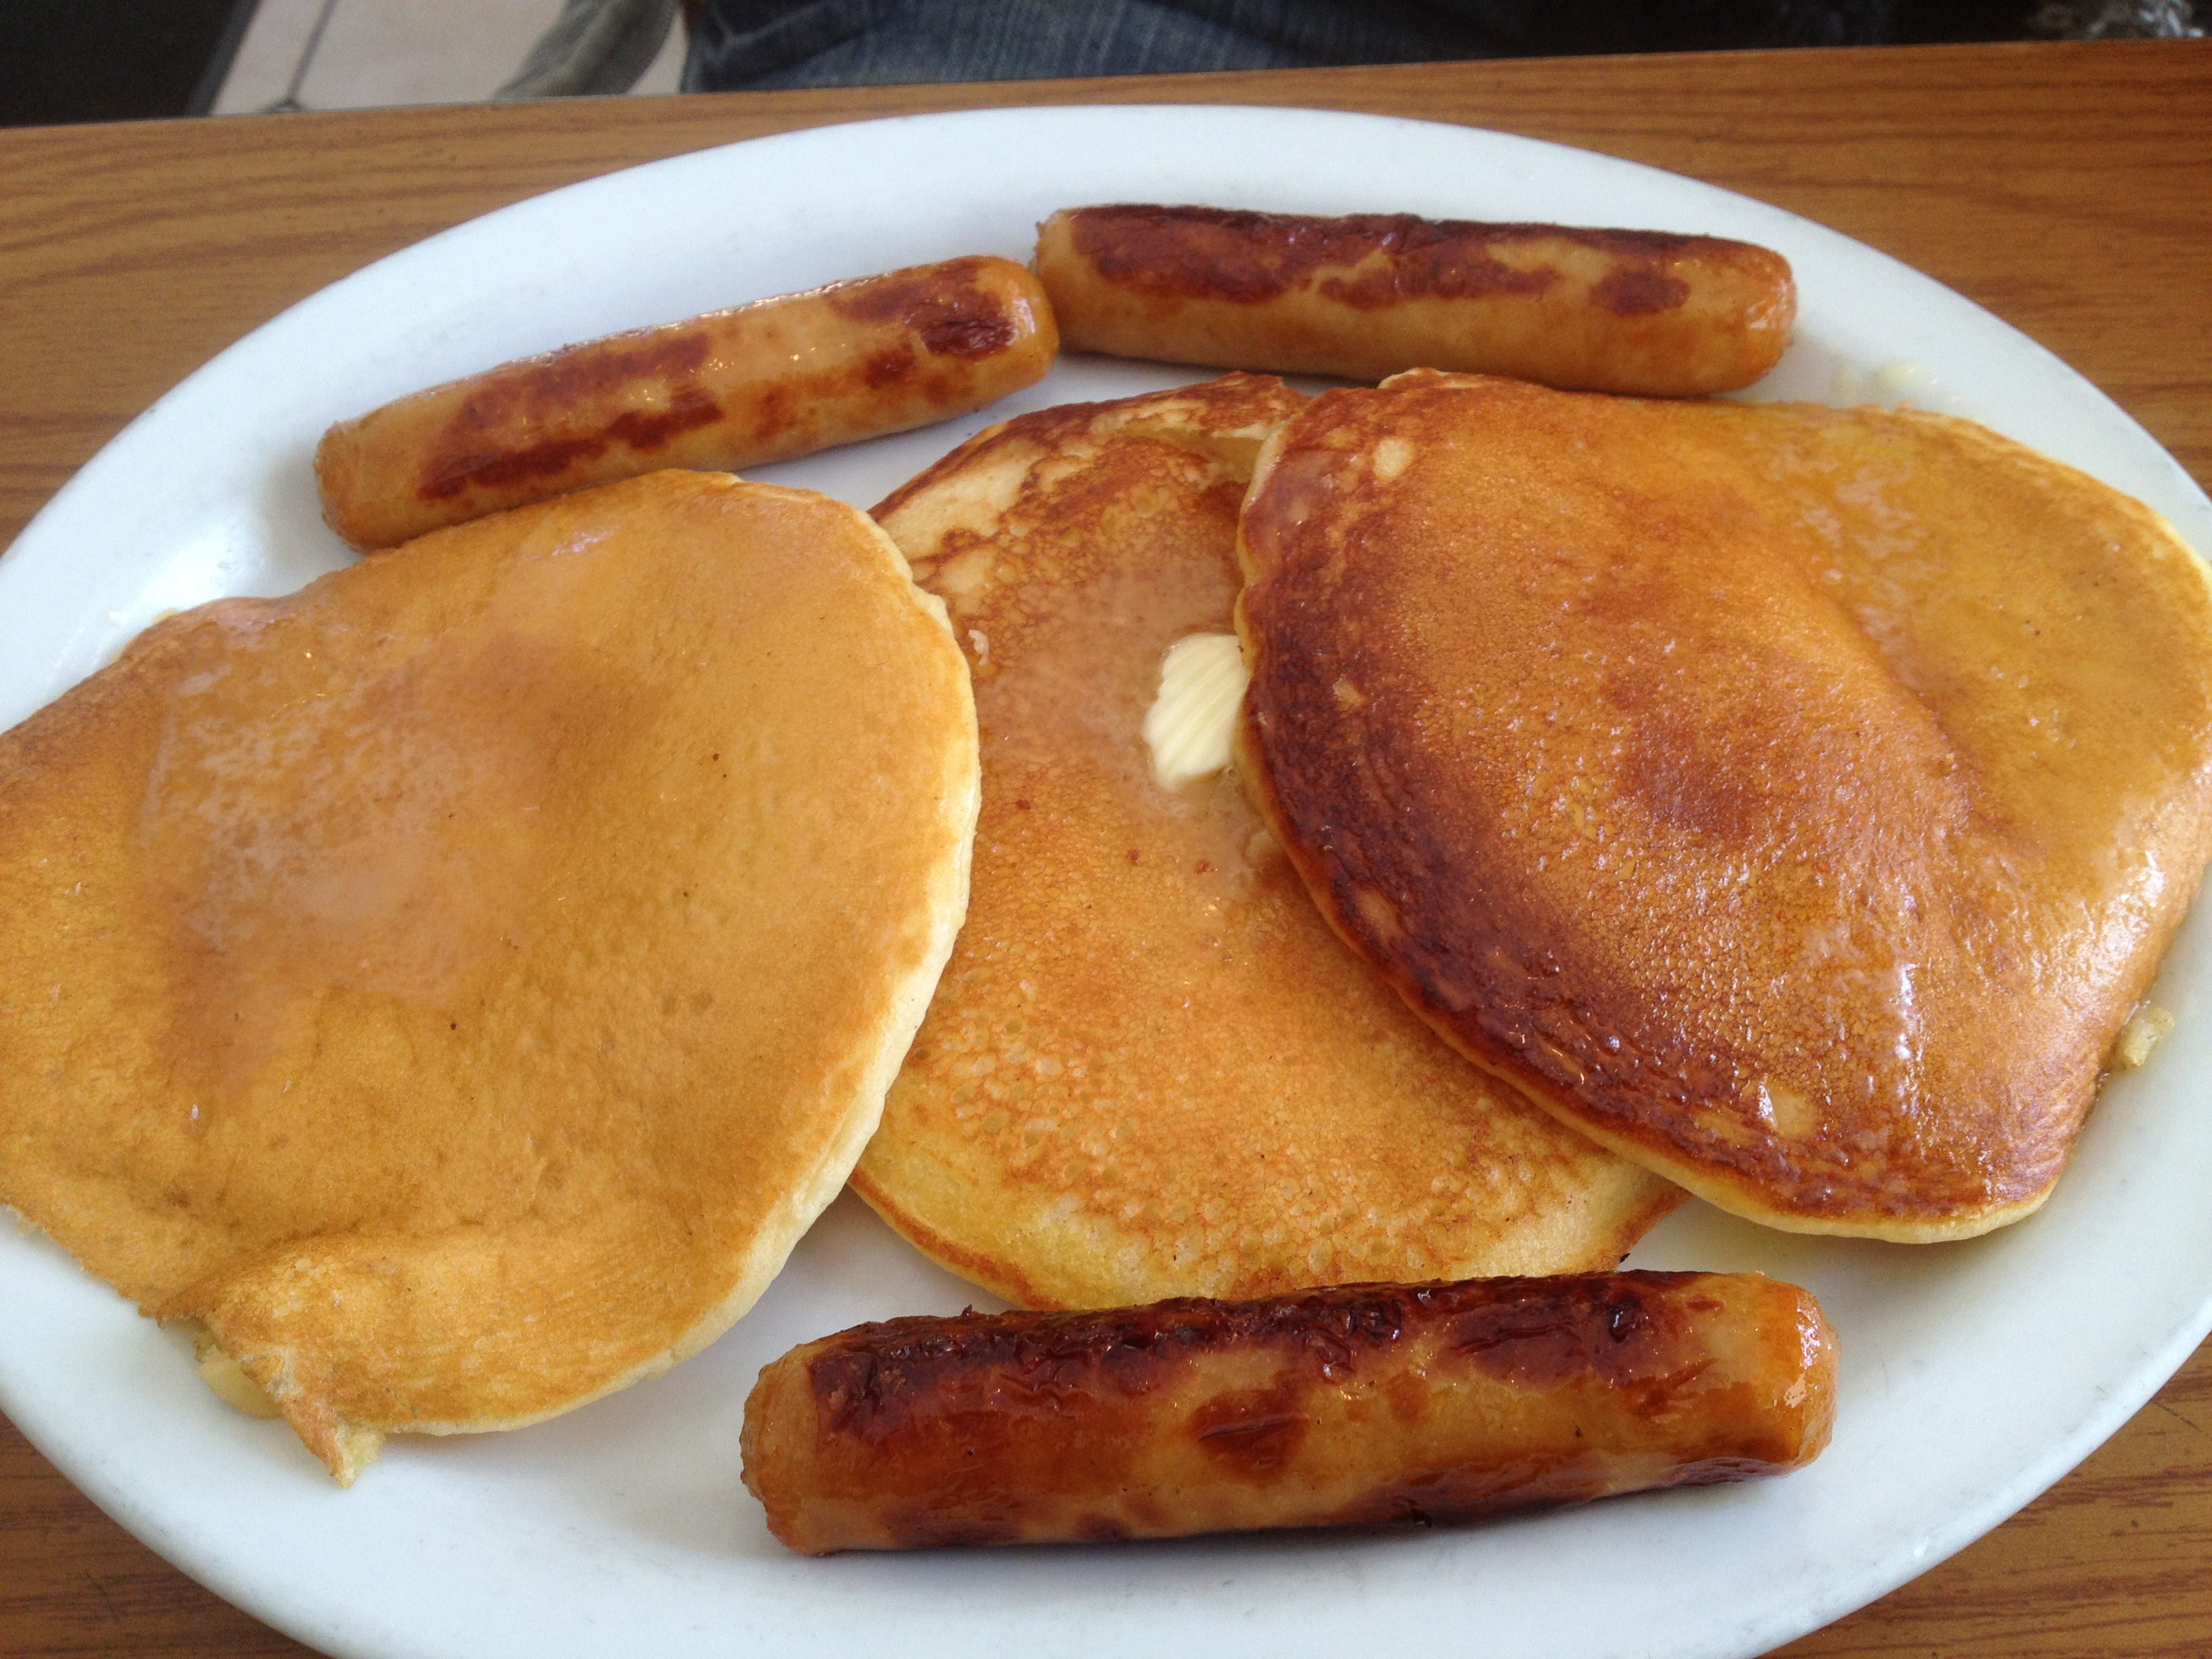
(1360,1404)
(1372,294)
(730,390)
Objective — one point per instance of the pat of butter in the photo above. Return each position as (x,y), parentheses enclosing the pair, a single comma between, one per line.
(1191,721)
(226,1379)
(2142,1035)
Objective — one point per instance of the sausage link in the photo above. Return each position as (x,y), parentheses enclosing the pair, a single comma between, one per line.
(730,390)
(1372,294)
(1360,1404)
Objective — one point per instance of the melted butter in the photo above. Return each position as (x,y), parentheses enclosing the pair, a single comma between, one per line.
(328,816)
(1902,381)
(1193,720)
(226,1379)
(1790,1113)
(1905,380)
(342,833)
(2150,1026)
(1081,614)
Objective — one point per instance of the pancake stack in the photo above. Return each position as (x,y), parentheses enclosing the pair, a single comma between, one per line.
(1150,1069)
(458,984)
(454,987)
(1797,801)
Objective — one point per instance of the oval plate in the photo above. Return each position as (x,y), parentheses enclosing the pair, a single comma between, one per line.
(1973,1374)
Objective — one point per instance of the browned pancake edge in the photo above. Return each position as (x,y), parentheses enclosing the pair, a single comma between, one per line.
(458,985)
(1150,1069)
(1798,801)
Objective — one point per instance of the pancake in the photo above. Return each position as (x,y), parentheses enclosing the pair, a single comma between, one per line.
(1150,1069)
(1798,800)
(458,984)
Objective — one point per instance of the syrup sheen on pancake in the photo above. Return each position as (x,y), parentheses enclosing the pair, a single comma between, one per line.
(1150,1069)
(458,984)
(1798,800)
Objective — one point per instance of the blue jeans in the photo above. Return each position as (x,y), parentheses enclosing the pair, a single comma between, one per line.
(764,44)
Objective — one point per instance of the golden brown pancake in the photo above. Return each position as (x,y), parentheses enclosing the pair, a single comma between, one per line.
(459,983)
(1150,1069)
(1797,799)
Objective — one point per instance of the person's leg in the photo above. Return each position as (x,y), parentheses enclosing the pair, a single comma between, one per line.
(762,44)
(817,43)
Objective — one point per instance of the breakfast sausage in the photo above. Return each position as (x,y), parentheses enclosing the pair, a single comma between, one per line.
(1372,294)
(1360,1404)
(729,390)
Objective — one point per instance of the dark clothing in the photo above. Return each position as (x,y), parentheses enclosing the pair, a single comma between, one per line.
(765,44)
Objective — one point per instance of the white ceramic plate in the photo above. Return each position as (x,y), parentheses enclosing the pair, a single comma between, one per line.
(1974,1374)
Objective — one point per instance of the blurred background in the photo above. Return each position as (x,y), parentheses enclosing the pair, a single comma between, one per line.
(105,60)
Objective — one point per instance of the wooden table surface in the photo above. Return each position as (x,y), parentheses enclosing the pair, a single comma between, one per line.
(2067,188)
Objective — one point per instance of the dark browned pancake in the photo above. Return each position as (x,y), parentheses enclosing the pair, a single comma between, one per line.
(459,983)
(1150,1069)
(1797,799)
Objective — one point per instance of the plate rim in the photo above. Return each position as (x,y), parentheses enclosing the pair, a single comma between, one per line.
(91,479)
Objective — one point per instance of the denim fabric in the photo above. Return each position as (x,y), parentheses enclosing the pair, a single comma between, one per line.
(764,44)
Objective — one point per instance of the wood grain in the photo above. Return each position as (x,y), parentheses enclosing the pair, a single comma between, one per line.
(2061,186)
(2068,189)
